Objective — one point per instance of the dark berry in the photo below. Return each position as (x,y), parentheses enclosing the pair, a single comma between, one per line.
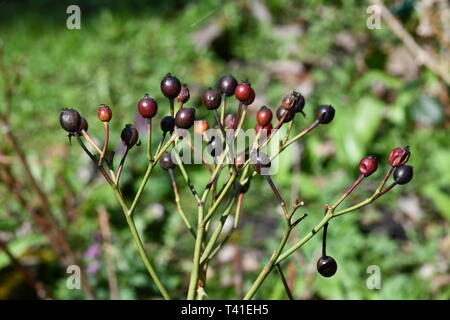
(167,124)
(201,126)
(299,103)
(230,121)
(281,112)
(260,161)
(368,165)
(104,113)
(250,100)
(327,266)
(227,85)
(70,120)
(264,116)
(166,161)
(147,107)
(129,136)
(403,174)
(83,125)
(325,114)
(215,146)
(185,118)
(288,102)
(170,86)
(243,91)
(184,95)
(399,156)
(211,99)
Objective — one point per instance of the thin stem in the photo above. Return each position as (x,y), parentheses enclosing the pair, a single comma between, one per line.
(149,140)
(161,142)
(91,141)
(105,146)
(220,197)
(277,194)
(224,106)
(193,283)
(324,240)
(186,176)
(122,162)
(350,190)
(285,284)
(171,102)
(238,115)
(222,129)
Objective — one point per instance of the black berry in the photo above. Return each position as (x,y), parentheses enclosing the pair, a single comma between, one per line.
(211,99)
(327,266)
(227,85)
(185,118)
(325,114)
(129,136)
(167,124)
(403,174)
(166,161)
(70,120)
(281,112)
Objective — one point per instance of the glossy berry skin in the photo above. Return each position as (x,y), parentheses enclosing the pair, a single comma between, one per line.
(167,124)
(83,125)
(281,112)
(299,103)
(227,85)
(185,118)
(325,114)
(264,116)
(399,156)
(367,166)
(403,174)
(170,86)
(104,113)
(70,120)
(147,107)
(211,99)
(243,91)
(260,162)
(268,128)
(184,95)
(327,266)
(129,136)
(288,102)
(201,126)
(166,161)
(215,146)
(229,121)
(250,100)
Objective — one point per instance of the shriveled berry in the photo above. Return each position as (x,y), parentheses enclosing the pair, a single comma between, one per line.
(185,118)
(327,266)
(230,121)
(264,116)
(260,162)
(243,91)
(403,174)
(170,86)
(104,113)
(299,103)
(368,165)
(227,85)
(147,107)
(129,136)
(70,120)
(250,100)
(201,126)
(215,146)
(184,95)
(211,99)
(325,114)
(281,112)
(399,156)
(166,161)
(167,124)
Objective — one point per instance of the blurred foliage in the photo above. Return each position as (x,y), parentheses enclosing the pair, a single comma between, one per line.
(123,49)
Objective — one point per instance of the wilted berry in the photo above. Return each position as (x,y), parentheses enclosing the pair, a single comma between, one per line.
(260,161)
(230,121)
(403,174)
(167,124)
(399,156)
(227,85)
(325,114)
(129,136)
(200,126)
(299,103)
(70,120)
(211,99)
(289,117)
(104,113)
(185,118)
(170,86)
(166,161)
(184,95)
(327,266)
(243,91)
(264,116)
(368,165)
(147,107)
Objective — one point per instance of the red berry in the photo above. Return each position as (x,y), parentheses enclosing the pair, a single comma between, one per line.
(264,116)
(185,118)
(399,156)
(104,113)
(201,126)
(170,86)
(368,165)
(227,85)
(147,107)
(250,100)
(243,91)
(268,128)
(211,99)
(184,95)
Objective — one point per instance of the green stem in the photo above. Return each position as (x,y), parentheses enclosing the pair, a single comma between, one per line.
(285,284)
(193,283)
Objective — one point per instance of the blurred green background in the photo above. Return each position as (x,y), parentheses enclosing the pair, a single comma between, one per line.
(324,49)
